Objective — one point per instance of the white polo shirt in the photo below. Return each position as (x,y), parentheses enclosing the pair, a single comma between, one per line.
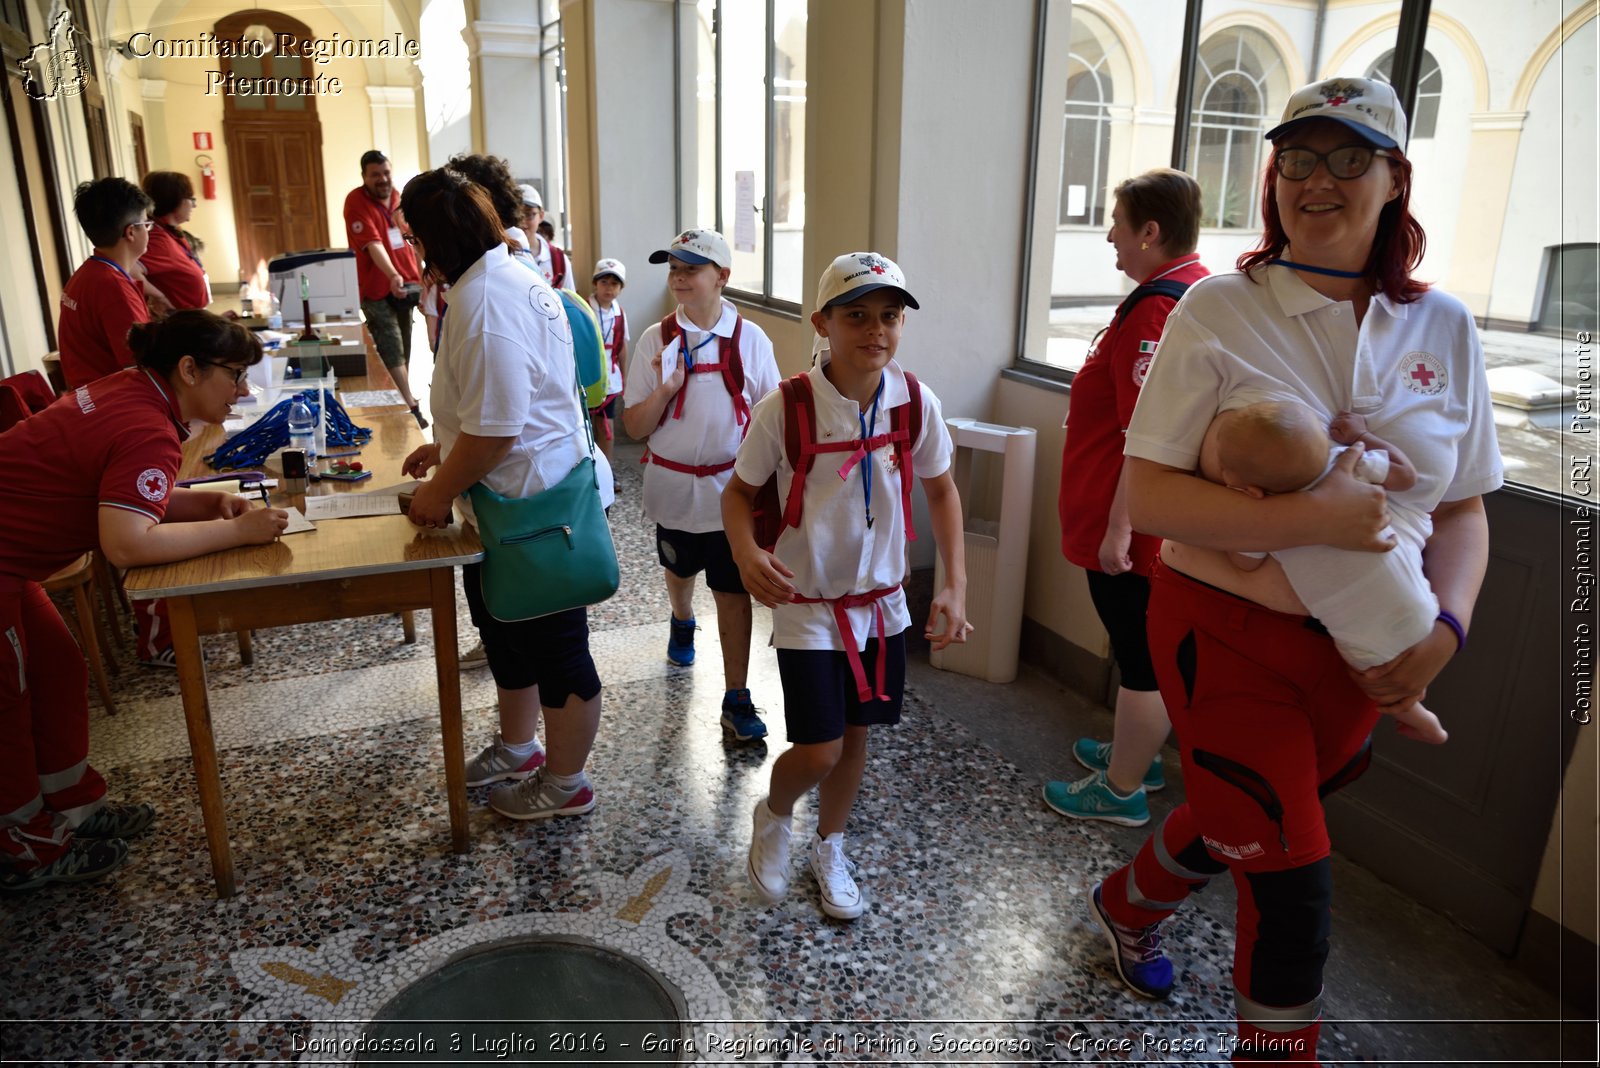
(608,323)
(833,552)
(542,257)
(505,369)
(1415,371)
(708,433)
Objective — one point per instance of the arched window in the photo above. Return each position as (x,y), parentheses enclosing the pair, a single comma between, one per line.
(1086,118)
(1430,87)
(1236,81)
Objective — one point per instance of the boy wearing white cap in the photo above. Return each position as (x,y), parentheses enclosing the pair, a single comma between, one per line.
(691,385)
(609,278)
(833,578)
(553,263)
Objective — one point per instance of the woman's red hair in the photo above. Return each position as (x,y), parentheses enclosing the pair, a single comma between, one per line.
(1396,249)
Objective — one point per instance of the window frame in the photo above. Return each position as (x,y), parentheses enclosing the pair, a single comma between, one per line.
(764,299)
(1409,49)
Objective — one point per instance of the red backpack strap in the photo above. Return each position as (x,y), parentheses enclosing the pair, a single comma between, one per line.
(558,264)
(907,417)
(733,374)
(619,338)
(799,432)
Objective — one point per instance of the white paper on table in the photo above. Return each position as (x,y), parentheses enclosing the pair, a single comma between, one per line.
(372,398)
(391,491)
(298,524)
(352,505)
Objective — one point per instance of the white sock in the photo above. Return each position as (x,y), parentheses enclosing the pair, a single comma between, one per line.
(526,749)
(564,782)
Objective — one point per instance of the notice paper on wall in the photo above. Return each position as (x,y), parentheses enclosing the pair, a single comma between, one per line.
(351,505)
(744,211)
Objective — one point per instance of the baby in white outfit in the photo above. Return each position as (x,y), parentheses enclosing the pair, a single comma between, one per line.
(1375,605)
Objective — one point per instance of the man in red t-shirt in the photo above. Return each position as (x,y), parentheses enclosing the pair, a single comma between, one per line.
(386,268)
(103,298)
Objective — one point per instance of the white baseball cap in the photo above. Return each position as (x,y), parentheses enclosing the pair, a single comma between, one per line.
(1371,108)
(531,197)
(857,273)
(610,267)
(696,246)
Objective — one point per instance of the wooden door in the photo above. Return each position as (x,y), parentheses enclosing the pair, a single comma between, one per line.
(278,199)
(33,161)
(141,154)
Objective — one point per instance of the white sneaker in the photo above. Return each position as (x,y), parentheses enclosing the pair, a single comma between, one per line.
(841,897)
(496,762)
(476,657)
(769,854)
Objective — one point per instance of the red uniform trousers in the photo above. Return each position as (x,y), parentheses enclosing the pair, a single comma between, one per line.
(46,783)
(1268,722)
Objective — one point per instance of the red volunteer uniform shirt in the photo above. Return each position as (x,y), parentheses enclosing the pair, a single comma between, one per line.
(366,221)
(114,442)
(98,306)
(174,269)
(1103,396)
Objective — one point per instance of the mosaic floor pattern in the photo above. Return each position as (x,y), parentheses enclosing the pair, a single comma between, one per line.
(975,947)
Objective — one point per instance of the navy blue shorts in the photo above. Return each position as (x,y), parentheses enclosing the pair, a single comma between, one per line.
(551,652)
(819,690)
(686,555)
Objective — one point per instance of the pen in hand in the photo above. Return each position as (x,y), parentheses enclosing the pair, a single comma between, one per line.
(266,502)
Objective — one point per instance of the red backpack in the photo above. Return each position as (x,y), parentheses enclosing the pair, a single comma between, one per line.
(728,362)
(558,264)
(801,446)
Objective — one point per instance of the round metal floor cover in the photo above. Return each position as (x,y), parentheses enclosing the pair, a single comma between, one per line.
(533,1000)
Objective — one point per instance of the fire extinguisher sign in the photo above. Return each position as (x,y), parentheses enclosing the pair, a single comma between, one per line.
(202,139)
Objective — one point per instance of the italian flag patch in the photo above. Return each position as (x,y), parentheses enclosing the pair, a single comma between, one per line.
(1147,347)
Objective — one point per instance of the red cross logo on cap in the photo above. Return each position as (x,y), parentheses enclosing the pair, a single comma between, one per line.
(1335,101)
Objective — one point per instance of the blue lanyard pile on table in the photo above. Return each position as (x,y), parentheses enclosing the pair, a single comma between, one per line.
(251,446)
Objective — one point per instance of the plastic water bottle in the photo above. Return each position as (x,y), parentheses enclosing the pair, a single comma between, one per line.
(303,429)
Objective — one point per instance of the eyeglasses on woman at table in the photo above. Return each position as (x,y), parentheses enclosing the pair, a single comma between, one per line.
(1345,162)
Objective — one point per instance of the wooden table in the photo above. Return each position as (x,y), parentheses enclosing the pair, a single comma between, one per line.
(344,569)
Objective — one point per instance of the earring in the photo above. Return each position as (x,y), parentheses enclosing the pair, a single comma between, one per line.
(1144,246)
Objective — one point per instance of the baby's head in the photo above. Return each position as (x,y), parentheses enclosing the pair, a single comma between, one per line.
(1273,446)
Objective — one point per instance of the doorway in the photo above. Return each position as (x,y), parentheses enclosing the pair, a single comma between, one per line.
(274,147)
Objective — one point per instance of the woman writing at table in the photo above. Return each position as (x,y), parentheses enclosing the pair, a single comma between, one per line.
(506,412)
(95,471)
(1268,717)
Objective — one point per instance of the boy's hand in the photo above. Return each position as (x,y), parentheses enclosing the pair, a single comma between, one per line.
(765,578)
(1347,428)
(953,606)
(673,382)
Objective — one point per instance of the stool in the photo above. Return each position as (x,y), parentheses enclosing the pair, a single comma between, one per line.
(79,578)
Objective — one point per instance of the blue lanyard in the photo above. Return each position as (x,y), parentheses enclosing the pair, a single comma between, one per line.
(688,357)
(867,430)
(438,333)
(115,266)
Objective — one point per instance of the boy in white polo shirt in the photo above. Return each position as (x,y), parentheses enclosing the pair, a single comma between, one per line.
(693,380)
(553,262)
(609,278)
(833,578)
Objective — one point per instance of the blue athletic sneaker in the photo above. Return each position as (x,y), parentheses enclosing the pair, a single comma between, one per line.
(680,642)
(1137,952)
(1091,798)
(1096,756)
(739,716)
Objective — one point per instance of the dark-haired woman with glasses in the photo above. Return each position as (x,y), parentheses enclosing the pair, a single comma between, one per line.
(96,471)
(1269,719)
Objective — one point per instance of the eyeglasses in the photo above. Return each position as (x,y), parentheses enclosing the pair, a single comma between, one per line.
(193,200)
(412,240)
(143,224)
(239,373)
(1346,162)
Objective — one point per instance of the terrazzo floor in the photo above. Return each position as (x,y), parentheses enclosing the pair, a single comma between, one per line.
(975,948)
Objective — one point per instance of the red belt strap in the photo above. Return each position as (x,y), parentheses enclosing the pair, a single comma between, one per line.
(842,620)
(700,471)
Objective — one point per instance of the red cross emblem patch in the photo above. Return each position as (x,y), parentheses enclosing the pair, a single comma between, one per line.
(1424,373)
(152,484)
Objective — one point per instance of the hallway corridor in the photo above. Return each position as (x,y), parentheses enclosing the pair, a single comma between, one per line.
(976,926)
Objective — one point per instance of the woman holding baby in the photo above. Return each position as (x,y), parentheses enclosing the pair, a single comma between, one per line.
(1270,717)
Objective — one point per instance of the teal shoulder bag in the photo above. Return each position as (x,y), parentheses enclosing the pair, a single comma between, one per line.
(549,552)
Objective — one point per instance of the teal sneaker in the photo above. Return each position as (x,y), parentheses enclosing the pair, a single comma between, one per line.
(741,718)
(1091,798)
(1096,756)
